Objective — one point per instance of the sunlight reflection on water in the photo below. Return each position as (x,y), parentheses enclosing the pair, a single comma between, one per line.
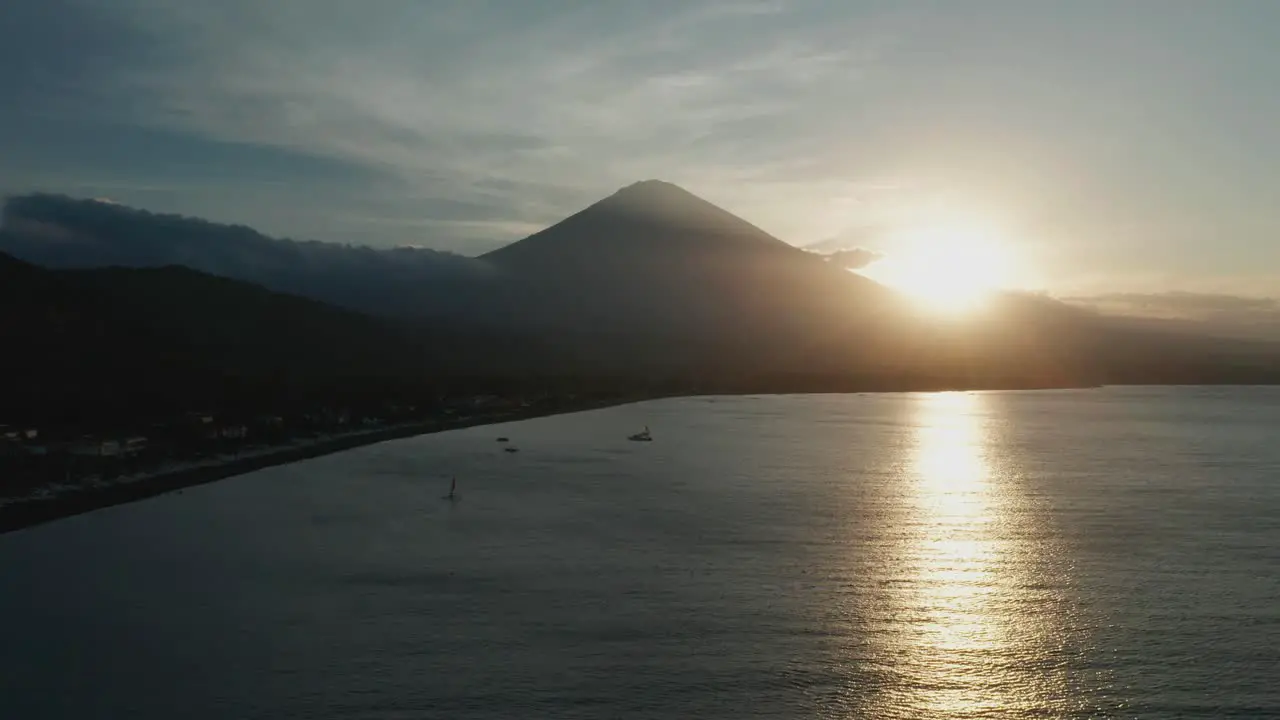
(974,645)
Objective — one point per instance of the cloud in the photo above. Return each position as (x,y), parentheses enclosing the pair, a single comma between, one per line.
(1229,314)
(848,248)
(62,232)
(1184,305)
(472,104)
(570,87)
(458,124)
(854,259)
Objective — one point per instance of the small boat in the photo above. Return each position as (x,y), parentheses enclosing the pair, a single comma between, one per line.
(511,449)
(641,436)
(502,439)
(453,491)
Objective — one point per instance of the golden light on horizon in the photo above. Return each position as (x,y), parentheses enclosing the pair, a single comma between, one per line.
(946,268)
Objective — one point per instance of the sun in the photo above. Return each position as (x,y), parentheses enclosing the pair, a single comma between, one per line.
(946,269)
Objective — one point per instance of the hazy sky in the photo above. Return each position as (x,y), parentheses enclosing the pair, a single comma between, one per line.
(1120,144)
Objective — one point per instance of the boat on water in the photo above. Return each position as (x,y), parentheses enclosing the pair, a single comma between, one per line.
(511,449)
(642,436)
(453,491)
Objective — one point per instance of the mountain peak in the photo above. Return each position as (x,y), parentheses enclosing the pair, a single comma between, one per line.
(649,216)
(652,187)
(656,199)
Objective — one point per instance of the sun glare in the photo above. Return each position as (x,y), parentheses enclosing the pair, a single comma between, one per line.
(947,269)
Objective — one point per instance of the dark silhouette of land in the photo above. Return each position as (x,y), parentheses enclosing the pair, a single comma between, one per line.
(138,343)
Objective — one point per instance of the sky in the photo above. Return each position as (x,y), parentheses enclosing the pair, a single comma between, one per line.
(1117,146)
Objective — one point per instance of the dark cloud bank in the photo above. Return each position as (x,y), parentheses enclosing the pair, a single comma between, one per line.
(60,232)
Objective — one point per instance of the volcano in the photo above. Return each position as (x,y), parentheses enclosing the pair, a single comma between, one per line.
(655,259)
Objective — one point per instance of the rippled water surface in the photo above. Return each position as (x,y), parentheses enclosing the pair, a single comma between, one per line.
(1106,553)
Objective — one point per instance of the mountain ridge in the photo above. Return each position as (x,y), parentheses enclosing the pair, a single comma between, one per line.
(649,281)
(119,341)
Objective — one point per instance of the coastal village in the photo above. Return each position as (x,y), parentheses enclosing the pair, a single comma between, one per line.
(40,465)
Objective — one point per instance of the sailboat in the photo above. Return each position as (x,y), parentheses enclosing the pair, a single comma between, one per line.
(453,491)
(641,436)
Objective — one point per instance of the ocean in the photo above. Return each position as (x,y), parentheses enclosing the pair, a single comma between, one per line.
(1052,554)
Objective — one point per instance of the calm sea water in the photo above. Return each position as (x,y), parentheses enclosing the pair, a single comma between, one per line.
(1107,553)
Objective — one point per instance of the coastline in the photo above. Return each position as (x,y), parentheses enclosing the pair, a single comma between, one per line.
(22,513)
(25,513)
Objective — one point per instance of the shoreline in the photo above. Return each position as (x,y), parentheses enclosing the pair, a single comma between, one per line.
(25,513)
